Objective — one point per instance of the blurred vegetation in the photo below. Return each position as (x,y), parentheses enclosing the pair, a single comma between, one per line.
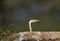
(48,11)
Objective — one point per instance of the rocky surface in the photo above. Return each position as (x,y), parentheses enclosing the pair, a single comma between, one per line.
(36,36)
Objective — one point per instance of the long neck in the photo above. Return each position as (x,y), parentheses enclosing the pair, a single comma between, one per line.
(30,27)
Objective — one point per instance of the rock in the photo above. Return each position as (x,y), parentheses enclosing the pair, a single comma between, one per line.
(36,36)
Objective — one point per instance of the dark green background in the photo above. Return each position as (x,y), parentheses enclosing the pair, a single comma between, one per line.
(15,15)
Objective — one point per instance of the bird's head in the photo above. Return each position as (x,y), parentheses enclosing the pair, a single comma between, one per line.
(34,20)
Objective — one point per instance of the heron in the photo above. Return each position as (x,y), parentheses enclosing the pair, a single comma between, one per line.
(32,21)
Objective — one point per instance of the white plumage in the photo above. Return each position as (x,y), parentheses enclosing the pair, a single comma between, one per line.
(32,21)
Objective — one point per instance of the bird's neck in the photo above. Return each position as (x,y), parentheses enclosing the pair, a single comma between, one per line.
(30,27)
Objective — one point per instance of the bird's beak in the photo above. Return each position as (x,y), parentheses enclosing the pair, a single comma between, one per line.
(37,20)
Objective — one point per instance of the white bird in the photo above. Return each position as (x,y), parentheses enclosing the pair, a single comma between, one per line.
(32,21)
